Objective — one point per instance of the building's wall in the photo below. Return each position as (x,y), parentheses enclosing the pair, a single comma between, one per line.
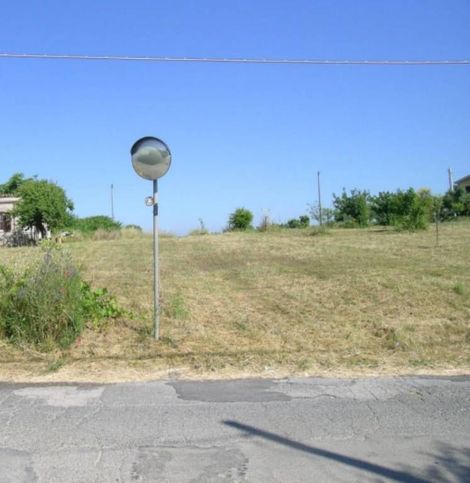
(7,203)
(465,184)
(6,206)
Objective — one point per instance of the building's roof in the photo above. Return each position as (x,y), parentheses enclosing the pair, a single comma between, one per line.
(462,180)
(12,197)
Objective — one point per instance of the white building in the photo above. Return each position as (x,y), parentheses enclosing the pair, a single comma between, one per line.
(9,227)
(7,222)
(463,183)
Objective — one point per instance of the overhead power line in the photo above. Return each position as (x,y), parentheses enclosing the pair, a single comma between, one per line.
(227,60)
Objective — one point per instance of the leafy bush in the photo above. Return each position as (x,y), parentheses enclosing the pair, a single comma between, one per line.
(240,220)
(300,222)
(383,208)
(93,223)
(352,209)
(456,203)
(48,304)
(408,209)
(98,305)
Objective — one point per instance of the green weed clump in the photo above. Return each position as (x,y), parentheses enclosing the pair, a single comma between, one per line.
(47,305)
(98,306)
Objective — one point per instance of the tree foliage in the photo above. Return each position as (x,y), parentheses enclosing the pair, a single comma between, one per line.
(352,208)
(12,186)
(240,220)
(302,221)
(456,203)
(43,204)
(409,209)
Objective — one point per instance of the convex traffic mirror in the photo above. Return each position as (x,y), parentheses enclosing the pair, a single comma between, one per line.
(151,157)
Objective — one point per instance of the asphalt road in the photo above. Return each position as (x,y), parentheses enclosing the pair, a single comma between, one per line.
(297,430)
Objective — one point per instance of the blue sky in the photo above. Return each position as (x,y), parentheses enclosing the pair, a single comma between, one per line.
(241,135)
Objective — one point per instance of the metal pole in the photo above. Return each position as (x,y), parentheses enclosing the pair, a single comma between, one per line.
(319,198)
(112,202)
(451,181)
(156,304)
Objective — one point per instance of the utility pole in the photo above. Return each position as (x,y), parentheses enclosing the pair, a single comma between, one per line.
(112,201)
(451,181)
(319,199)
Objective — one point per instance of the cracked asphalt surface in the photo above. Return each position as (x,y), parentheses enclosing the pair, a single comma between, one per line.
(411,429)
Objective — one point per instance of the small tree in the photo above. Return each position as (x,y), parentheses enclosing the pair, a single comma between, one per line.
(404,209)
(327,215)
(353,207)
(240,220)
(456,203)
(42,203)
(383,208)
(411,210)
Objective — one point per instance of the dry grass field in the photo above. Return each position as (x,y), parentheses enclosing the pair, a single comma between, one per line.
(270,304)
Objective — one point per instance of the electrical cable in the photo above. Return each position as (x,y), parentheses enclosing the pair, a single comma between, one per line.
(224,60)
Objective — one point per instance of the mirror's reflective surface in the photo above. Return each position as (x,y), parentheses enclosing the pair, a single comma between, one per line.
(151,158)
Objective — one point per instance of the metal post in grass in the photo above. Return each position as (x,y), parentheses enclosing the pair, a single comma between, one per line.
(151,159)
(319,199)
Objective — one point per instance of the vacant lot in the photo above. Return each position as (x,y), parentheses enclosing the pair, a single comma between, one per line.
(292,302)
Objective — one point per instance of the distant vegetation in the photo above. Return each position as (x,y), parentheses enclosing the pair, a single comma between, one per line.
(240,220)
(410,209)
(43,205)
(403,209)
(302,221)
(93,223)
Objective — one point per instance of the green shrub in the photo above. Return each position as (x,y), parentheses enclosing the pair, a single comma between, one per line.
(352,209)
(410,210)
(93,223)
(42,306)
(383,208)
(98,305)
(456,203)
(240,220)
(300,222)
(48,304)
